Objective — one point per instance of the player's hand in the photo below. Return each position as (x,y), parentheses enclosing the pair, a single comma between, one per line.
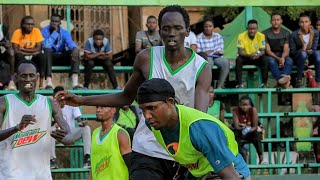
(25,121)
(67,98)
(83,124)
(59,134)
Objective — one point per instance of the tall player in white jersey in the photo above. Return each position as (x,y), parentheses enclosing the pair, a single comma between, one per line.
(25,129)
(186,71)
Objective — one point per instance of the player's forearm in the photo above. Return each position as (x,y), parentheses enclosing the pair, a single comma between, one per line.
(114,100)
(4,134)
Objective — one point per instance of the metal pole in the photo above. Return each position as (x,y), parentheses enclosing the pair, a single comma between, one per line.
(68,18)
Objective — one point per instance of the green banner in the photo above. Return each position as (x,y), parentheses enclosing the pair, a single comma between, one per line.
(214,3)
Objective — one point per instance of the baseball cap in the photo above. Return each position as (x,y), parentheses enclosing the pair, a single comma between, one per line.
(155,89)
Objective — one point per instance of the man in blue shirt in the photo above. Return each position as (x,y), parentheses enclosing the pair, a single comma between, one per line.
(60,50)
(97,51)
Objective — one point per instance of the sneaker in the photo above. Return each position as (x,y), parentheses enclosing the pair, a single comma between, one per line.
(284,80)
(118,88)
(48,87)
(240,86)
(12,86)
(299,83)
(77,87)
(264,85)
(87,162)
(87,165)
(53,164)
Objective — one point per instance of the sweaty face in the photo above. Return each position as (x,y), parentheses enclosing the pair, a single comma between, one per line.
(151,24)
(98,40)
(27,77)
(208,27)
(105,113)
(245,105)
(55,22)
(305,23)
(156,113)
(276,21)
(252,29)
(28,25)
(173,30)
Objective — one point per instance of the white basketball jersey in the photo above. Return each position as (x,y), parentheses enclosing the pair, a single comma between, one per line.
(26,154)
(183,81)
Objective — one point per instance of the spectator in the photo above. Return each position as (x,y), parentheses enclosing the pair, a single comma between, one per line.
(149,38)
(251,50)
(60,50)
(277,50)
(190,41)
(128,117)
(26,43)
(71,114)
(216,108)
(245,124)
(303,47)
(111,148)
(212,44)
(97,51)
(7,54)
(318,29)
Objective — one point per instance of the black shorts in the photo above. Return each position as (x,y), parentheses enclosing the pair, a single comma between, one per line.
(146,167)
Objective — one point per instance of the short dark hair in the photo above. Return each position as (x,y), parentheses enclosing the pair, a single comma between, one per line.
(56,15)
(246,97)
(23,20)
(57,89)
(304,15)
(252,21)
(98,32)
(26,62)
(151,17)
(208,18)
(175,8)
(275,14)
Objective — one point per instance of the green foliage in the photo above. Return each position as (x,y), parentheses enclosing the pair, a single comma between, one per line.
(229,13)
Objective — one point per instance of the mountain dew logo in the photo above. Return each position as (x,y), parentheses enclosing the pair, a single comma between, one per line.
(27,138)
(102,164)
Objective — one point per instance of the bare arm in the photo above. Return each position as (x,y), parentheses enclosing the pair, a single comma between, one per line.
(4,134)
(90,56)
(202,89)
(124,142)
(285,52)
(236,121)
(243,54)
(228,173)
(63,134)
(126,97)
(138,46)
(36,49)
(194,47)
(255,122)
(90,175)
(17,50)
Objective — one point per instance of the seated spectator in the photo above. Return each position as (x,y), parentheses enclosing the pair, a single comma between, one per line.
(60,50)
(245,124)
(318,29)
(149,38)
(83,131)
(277,51)
(26,43)
(216,108)
(251,50)
(98,52)
(212,44)
(303,47)
(7,54)
(128,117)
(191,41)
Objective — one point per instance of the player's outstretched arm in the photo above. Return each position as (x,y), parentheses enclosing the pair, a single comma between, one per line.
(120,99)
(125,147)
(62,135)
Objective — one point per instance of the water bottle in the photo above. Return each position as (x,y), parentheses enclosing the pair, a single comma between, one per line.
(246,130)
